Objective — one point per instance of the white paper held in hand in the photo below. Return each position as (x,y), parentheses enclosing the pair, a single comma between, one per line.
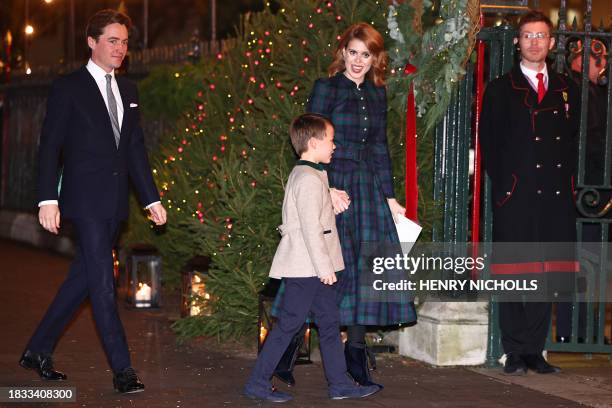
(408,232)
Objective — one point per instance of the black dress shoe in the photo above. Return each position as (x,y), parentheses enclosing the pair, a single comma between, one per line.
(537,363)
(127,382)
(43,365)
(514,365)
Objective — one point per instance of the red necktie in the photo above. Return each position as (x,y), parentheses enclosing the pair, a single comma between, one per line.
(541,87)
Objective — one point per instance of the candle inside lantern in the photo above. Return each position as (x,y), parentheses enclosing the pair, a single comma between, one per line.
(263,332)
(195,309)
(143,295)
(198,288)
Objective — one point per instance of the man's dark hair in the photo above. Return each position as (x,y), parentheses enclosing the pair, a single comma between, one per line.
(97,22)
(305,127)
(534,16)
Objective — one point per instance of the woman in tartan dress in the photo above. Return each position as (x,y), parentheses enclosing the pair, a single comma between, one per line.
(353,97)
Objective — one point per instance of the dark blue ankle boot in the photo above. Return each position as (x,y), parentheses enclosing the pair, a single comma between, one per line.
(357,364)
(284,369)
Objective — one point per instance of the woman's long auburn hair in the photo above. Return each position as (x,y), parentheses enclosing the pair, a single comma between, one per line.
(374,43)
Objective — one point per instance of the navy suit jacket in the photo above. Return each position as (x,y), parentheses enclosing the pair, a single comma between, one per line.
(95,172)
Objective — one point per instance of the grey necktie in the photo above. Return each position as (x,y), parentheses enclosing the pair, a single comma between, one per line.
(112,109)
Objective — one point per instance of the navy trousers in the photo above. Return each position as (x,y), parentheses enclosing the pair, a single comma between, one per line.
(91,275)
(524,326)
(304,295)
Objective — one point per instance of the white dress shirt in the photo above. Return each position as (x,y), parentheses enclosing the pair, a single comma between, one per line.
(99,75)
(530,74)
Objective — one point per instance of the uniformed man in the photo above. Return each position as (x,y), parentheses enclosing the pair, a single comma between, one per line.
(528,136)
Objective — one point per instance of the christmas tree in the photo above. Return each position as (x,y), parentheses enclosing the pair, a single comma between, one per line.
(222,170)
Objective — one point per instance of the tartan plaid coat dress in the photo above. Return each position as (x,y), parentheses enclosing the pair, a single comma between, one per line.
(361,166)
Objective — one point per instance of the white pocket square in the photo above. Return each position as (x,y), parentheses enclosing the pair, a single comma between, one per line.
(133,105)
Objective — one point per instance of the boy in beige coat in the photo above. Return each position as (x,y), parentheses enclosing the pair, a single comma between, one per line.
(307,258)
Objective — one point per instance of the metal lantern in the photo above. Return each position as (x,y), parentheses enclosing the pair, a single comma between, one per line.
(195,300)
(144,268)
(265,321)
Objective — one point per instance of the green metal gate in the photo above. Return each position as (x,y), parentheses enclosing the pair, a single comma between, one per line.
(457,186)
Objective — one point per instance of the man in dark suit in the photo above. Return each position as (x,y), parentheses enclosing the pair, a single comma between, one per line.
(528,135)
(93,121)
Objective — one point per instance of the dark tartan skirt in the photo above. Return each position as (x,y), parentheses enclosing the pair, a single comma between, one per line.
(368,221)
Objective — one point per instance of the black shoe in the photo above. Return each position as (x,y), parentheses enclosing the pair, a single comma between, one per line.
(43,365)
(537,363)
(357,364)
(284,369)
(514,365)
(127,382)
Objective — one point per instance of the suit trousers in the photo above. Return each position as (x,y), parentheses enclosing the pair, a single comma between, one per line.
(524,326)
(304,295)
(90,275)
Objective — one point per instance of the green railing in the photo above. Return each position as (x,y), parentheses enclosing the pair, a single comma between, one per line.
(453,185)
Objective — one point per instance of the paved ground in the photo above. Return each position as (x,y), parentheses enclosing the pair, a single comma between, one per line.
(203,373)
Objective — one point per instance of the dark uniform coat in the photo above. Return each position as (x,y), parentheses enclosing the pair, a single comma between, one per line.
(529,152)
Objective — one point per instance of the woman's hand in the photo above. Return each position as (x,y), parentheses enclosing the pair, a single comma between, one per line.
(340,200)
(395,208)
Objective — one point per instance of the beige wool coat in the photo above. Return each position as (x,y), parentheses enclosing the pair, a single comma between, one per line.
(309,243)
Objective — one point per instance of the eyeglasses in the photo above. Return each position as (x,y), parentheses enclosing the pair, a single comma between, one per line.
(531,36)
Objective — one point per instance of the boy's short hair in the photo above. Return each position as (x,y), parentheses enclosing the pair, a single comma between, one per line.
(305,127)
(534,16)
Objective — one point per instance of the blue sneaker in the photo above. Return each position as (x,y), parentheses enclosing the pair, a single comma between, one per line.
(352,391)
(266,394)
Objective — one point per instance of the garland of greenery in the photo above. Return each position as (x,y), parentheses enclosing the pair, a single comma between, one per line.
(439,52)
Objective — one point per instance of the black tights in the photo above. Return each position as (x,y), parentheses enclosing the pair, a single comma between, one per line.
(356,335)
